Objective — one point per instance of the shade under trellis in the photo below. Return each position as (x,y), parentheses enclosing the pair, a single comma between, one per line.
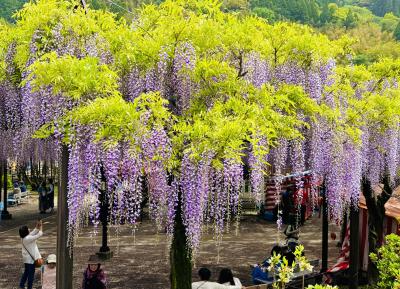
(303,189)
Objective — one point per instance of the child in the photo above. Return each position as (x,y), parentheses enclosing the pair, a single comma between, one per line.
(49,273)
(94,277)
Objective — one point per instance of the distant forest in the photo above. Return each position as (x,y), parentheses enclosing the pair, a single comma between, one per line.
(304,11)
(374,24)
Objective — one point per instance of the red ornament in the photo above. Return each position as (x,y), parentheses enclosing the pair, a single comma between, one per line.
(333,236)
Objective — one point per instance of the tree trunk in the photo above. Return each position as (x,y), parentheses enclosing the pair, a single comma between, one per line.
(5,215)
(325,229)
(64,258)
(1,181)
(354,247)
(51,169)
(180,255)
(376,215)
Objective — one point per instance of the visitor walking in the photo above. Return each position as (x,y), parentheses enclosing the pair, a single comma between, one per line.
(43,204)
(50,195)
(30,252)
(94,276)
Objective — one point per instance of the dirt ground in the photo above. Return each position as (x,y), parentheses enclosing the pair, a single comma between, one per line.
(141,259)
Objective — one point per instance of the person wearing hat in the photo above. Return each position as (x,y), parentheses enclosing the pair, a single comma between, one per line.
(49,273)
(94,277)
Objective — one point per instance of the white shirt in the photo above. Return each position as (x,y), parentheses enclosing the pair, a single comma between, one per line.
(238,284)
(207,285)
(30,245)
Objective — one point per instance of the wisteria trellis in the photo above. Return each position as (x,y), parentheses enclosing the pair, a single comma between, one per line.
(207,177)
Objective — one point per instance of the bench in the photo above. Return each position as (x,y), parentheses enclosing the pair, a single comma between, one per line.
(263,286)
(13,199)
(24,196)
(264,281)
(309,279)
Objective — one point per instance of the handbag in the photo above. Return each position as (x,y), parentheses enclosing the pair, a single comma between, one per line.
(38,262)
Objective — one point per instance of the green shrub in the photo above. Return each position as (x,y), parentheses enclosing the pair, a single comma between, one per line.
(388,263)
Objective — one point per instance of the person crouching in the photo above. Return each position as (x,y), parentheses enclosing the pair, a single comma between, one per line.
(94,276)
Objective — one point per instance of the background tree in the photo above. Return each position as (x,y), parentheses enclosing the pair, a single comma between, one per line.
(350,21)
(396,32)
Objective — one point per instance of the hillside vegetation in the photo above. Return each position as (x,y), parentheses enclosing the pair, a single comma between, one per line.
(374,24)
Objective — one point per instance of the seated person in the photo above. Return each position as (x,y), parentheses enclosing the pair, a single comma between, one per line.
(226,278)
(22,186)
(289,255)
(205,282)
(16,189)
(260,271)
(49,273)
(292,237)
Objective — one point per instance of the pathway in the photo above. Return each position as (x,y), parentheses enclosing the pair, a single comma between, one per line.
(141,258)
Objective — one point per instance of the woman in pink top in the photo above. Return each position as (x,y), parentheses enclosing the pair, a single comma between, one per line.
(49,273)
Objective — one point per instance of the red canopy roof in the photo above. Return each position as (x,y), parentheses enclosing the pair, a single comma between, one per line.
(392,206)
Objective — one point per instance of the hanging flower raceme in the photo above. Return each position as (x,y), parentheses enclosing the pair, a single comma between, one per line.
(184,62)
(193,199)
(156,150)
(132,186)
(233,184)
(380,154)
(77,185)
(257,159)
(209,195)
(258,70)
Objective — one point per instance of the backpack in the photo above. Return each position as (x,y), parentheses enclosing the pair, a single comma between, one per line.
(94,282)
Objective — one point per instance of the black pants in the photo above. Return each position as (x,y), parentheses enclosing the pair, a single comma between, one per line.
(50,198)
(29,274)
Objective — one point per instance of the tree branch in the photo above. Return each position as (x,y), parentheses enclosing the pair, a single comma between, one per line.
(241,72)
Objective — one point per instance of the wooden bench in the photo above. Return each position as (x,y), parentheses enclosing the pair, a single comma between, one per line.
(263,286)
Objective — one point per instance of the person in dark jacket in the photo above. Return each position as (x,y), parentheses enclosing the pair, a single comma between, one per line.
(43,204)
(260,272)
(50,195)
